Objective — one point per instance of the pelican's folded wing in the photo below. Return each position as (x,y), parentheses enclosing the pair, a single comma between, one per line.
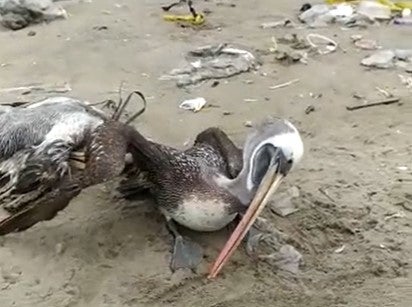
(43,207)
(220,141)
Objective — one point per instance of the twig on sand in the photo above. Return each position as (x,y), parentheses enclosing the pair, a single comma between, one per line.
(274,87)
(326,194)
(384,92)
(39,88)
(374,104)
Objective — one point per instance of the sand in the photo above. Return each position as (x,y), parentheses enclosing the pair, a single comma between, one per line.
(355,180)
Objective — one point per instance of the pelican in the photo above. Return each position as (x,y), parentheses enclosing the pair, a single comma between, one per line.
(51,150)
(206,186)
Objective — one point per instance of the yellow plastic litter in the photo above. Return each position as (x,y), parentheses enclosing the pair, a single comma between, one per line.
(194,20)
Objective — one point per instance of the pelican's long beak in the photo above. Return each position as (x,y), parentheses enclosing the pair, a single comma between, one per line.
(268,186)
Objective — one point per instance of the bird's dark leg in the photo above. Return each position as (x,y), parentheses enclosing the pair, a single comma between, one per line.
(186,253)
(167,8)
(219,140)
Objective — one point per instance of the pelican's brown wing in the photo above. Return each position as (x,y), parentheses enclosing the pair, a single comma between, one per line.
(105,153)
(43,208)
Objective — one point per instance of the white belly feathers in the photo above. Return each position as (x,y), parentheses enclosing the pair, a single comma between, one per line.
(202,215)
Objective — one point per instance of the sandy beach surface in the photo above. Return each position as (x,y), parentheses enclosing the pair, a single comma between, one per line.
(354,223)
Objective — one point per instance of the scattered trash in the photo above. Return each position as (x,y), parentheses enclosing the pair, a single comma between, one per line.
(282,203)
(342,10)
(389,58)
(321,15)
(291,56)
(309,109)
(194,105)
(294,41)
(38,88)
(374,10)
(100,28)
(31,33)
(405,18)
(355,13)
(393,5)
(288,54)
(197,20)
(374,104)
(364,43)
(18,14)
(384,92)
(212,62)
(315,96)
(330,47)
(284,84)
(193,18)
(395,215)
(248,124)
(367,44)
(403,54)
(340,249)
(316,16)
(380,59)
(284,23)
(406,81)
(402,168)
(403,21)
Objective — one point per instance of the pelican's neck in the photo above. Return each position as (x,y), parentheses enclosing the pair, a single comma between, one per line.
(238,186)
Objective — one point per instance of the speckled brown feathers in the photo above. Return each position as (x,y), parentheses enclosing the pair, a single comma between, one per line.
(65,146)
(105,152)
(171,175)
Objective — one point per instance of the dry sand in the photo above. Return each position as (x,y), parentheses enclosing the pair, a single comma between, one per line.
(102,252)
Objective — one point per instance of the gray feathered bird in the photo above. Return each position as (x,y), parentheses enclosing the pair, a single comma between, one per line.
(50,151)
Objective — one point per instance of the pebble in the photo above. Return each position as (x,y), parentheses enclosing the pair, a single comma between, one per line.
(59,248)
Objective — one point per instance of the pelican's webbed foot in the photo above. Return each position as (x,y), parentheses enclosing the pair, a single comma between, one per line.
(186,253)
